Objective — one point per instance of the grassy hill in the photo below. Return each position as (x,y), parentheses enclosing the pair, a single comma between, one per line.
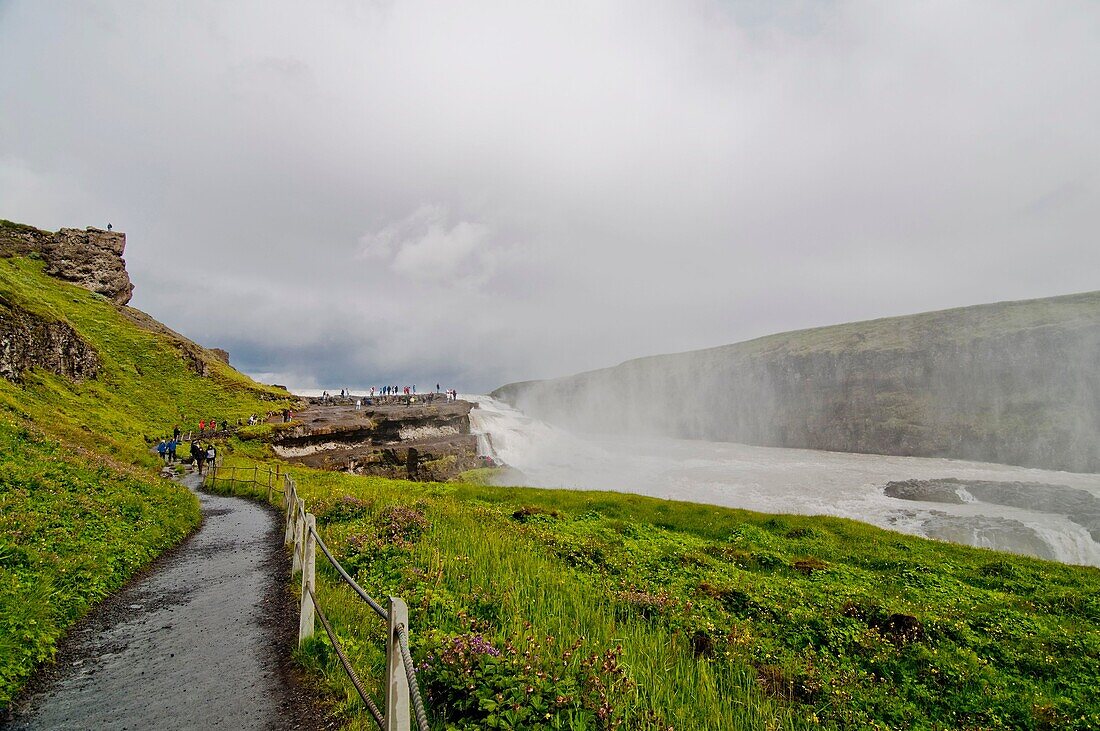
(81,506)
(1012,382)
(532,608)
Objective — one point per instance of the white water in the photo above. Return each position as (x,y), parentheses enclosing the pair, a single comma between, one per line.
(776,480)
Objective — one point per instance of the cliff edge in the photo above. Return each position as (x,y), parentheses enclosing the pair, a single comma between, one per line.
(91,257)
(1011,382)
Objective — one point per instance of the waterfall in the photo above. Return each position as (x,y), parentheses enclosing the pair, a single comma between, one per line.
(777,480)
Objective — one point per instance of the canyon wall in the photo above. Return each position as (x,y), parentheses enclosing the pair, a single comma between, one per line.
(1015,382)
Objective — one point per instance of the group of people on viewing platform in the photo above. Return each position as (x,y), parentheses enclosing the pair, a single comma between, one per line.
(388,395)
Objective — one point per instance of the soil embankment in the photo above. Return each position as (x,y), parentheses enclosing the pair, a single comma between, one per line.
(201,640)
(425,439)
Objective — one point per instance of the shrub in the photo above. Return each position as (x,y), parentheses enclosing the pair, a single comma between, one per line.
(346,508)
(401,525)
(475,682)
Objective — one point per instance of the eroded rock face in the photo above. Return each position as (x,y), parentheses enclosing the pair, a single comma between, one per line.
(1079,506)
(27,340)
(426,440)
(91,257)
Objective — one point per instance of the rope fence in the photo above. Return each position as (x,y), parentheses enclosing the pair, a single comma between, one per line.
(403,704)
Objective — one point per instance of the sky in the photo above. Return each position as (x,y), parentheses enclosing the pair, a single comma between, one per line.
(351,193)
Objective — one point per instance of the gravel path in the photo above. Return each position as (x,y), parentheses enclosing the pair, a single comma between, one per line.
(200,641)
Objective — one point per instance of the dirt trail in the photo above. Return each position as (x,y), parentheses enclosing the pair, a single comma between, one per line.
(200,641)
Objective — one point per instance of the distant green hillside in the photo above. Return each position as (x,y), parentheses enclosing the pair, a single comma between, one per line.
(87,386)
(1012,382)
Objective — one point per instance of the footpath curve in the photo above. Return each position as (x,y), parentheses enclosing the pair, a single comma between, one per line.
(200,640)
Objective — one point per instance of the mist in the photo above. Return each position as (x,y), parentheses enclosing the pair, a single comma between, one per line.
(1012,383)
(357,193)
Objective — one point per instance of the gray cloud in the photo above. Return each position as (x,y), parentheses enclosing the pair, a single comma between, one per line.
(356,193)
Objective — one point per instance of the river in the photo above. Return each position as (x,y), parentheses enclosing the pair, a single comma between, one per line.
(1056,515)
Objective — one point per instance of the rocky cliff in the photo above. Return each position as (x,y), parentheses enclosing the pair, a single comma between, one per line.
(1013,382)
(91,257)
(428,439)
(27,340)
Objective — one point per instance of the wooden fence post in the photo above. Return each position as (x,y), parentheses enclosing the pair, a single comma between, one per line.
(397,683)
(309,583)
(269,485)
(299,523)
(289,512)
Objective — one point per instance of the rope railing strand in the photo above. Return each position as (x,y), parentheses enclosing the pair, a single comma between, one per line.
(410,674)
(377,714)
(299,529)
(350,581)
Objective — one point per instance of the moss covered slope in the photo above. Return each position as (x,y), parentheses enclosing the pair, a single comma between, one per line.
(81,505)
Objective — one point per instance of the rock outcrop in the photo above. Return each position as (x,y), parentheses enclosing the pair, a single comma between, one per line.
(425,440)
(27,340)
(1013,382)
(1079,506)
(91,257)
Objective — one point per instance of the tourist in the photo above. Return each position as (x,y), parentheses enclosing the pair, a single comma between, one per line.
(211,455)
(202,426)
(198,455)
(162,450)
(358,404)
(176,432)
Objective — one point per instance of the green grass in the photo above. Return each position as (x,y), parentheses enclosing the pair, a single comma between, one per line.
(725,618)
(72,529)
(81,507)
(540,608)
(144,387)
(17,227)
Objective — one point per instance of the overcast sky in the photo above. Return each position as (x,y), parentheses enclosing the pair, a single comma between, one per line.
(351,193)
